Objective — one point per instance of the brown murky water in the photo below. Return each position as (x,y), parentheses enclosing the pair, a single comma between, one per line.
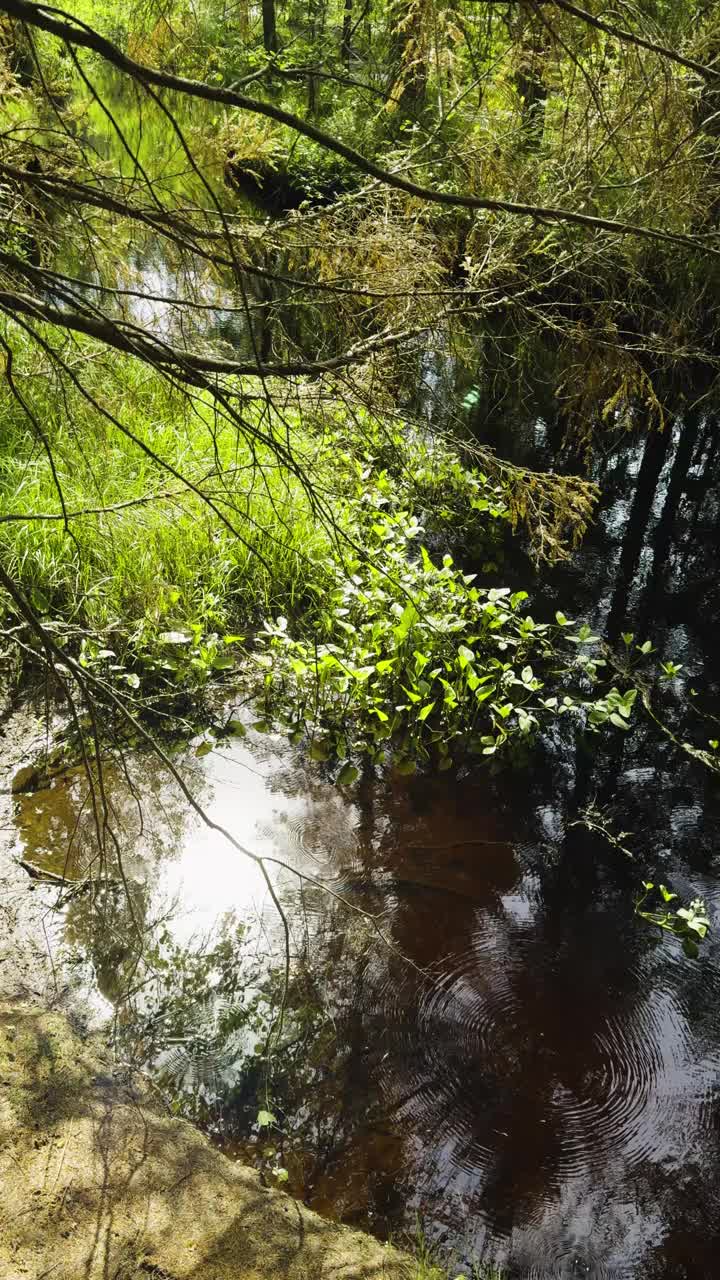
(541,1088)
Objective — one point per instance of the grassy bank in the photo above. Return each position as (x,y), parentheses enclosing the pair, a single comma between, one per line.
(171,514)
(305,546)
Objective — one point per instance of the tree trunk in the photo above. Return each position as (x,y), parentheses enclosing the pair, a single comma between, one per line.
(653,458)
(533,92)
(19,52)
(407,58)
(270,40)
(345,50)
(529,77)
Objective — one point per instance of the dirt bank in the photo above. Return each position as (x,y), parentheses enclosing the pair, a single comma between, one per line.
(95,1183)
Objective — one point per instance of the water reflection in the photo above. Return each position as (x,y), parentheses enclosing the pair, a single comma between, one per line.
(540,1086)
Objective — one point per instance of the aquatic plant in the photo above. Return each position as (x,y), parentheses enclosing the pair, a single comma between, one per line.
(413,659)
(369,639)
(690,924)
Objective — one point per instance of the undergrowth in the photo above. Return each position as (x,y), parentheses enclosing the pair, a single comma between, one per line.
(309,552)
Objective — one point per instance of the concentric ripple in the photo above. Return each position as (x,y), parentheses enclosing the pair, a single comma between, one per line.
(505,1062)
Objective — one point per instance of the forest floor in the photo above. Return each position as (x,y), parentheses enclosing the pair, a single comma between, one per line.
(95,1181)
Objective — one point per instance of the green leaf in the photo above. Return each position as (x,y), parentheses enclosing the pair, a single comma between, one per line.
(414,697)
(465,656)
(265,1119)
(385,665)
(320,749)
(423,715)
(361,674)
(204,749)
(175,637)
(236,728)
(223,663)
(619,722)
(347,775)
(408,619)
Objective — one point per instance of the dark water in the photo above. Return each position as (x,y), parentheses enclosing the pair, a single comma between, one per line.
(540,1084)
(139,275)
(527,1070)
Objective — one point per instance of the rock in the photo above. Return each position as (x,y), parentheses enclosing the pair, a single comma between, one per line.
(26,779)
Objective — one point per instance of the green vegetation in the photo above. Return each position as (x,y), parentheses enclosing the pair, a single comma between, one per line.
(300,520)
(175,521)
(429,1266)
(363,642)
(689,924)
(237,446)
(414,655)
(264,270)
(524,109)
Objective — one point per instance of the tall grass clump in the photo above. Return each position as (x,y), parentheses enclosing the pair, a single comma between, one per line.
(178,513)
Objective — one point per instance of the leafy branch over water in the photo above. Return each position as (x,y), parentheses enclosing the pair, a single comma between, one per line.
(689,924)
(413,659)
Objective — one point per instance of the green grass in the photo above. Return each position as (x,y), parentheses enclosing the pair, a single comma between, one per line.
(427,1266)
(163,550)
(428,1270)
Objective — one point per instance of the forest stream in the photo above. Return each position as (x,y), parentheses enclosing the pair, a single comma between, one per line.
(526,1070)
(483,1042)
